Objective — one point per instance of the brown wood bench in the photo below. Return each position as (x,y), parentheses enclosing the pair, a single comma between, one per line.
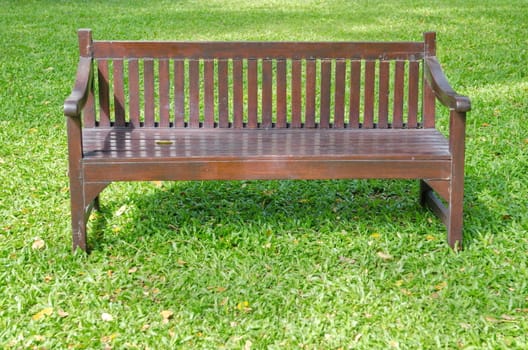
(145,110)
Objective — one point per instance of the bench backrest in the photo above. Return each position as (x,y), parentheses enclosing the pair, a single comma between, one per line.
(258,84)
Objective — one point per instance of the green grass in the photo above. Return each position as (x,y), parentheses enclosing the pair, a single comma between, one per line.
(263,265)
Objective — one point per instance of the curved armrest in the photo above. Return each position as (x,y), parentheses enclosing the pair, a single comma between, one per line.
(443,91)
(77,99)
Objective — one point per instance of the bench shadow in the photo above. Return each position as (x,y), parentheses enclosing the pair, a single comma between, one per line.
(358,205)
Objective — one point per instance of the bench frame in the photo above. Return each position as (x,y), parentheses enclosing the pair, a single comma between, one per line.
(442,176)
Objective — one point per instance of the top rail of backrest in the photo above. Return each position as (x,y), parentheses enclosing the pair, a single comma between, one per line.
(258,50)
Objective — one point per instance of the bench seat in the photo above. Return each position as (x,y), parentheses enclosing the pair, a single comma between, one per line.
(246,144)
(281,153)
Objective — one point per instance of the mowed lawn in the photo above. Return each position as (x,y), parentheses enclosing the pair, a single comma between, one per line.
(263,264)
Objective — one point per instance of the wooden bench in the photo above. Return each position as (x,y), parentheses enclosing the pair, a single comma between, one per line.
(144,110)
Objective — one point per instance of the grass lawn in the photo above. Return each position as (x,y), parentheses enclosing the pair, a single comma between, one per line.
(263,265)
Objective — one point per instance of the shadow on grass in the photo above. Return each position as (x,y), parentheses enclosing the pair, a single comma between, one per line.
(180,209)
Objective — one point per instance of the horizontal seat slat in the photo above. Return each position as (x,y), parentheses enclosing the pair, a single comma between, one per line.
(247,144)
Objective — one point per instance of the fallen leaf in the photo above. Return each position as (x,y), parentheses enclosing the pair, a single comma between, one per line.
(38,244)
(406,291)
(508,318)
(48,279)
(345,260)
(121,210)
(158,184)
(248,345)
(39,338)
(108,338)
(430,238)
(375,235)
(107,317)
(42,313)
(441,285)
(243,306)
(164,142)
(62,314)
(145,327)
(166,315)
(485,125)
(133,269)
(385,256)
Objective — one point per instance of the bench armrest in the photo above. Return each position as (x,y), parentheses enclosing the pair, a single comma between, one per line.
(77,99)
(443,91)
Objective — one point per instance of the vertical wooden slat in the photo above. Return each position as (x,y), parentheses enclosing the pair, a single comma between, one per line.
(309,114)
(119,94)
(429,109)
(370,76)
(414,77)
(89,110)
(296,94)
(324,105)
(267,104)
(104,91)
(383,111)
(148,76)
(223,94)
(281,94)
(179,93)
(238,94)
(399,82)
(164,91)
(428,94)
(339,94)
(355,93)
(252,93)
(133,92)
(194,93)
(209,87)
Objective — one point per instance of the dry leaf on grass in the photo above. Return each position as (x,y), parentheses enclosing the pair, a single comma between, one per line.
(166,315)
(106,317)
(38,244)
(42,313)
(244,306)
(385,256)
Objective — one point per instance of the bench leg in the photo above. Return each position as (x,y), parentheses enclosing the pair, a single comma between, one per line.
(456,205)
(78,217)
(424,189)
(450,216)
(96,203)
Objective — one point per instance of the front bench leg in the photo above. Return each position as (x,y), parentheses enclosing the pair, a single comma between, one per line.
(78,215)
(457,127)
